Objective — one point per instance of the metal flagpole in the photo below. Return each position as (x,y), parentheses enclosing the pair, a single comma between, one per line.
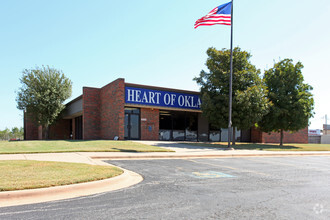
(231,76)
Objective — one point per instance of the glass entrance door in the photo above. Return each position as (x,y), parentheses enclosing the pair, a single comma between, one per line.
(132,123)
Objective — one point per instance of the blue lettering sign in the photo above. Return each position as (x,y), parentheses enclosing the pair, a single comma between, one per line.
(142,96)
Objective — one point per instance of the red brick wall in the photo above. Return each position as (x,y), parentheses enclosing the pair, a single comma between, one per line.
(300,136)
(91,113)
(274,137)
(40,135)
(256,135)
(30,128)
(103,115)
(149,119)
(60,130)
(112,102)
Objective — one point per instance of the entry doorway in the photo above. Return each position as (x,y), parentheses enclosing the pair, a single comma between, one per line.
(132,124)
(78,128)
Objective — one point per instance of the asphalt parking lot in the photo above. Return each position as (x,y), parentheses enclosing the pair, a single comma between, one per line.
(219,188)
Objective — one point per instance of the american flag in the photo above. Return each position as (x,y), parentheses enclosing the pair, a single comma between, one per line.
(219,15)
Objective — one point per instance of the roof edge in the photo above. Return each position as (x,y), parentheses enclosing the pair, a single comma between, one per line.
(162,88)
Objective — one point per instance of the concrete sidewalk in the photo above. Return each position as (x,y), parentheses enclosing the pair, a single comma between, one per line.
(128,178)
(179,151)
(192,151)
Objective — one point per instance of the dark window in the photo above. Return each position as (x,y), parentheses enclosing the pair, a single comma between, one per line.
(178,125)
(78,128)
(165,120)
(191,126)
(191,121)
(178,120)
(132,110)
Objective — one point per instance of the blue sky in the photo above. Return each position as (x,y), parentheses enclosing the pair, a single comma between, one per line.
(153,42)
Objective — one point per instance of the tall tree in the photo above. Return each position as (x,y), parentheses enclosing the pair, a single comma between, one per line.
(292,100)
(249,99)
(42,94)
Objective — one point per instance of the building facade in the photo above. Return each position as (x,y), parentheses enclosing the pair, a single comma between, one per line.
(129,111)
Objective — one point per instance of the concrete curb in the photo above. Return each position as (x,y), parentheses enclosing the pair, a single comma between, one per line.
(23,197)
(141,157)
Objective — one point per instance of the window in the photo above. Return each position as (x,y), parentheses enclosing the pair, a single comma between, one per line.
(178,125)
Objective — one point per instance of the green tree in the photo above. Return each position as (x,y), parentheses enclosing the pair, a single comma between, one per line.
(21,132)
(292,100)
(5,134)
(249,99)
(42,95)
(2,135)
(17,133)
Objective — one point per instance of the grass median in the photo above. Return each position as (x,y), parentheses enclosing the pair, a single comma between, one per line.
(268,147)
(17,147)
(27,174)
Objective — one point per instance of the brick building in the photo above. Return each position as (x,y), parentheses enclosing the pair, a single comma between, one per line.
(138,112)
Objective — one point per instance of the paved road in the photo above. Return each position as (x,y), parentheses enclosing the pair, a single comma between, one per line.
(226,188)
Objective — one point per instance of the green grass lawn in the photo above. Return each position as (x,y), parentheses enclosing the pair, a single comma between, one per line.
(16,147)
(270,147)
(27,174)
